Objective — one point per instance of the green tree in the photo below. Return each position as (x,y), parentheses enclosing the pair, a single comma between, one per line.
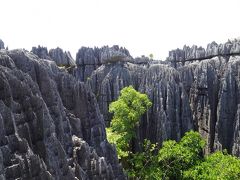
(216,166)
(127,110)
(144,165)
(174,158)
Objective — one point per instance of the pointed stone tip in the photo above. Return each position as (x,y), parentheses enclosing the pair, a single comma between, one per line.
(1,44)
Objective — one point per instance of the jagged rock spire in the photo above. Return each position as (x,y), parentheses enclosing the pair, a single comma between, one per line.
(1,44)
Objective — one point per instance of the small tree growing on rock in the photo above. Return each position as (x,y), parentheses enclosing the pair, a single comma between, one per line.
(127,110)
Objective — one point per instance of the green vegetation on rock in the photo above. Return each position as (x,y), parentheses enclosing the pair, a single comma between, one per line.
(128,109)
(174,160)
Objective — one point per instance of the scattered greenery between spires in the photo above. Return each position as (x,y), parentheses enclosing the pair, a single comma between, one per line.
(174,160)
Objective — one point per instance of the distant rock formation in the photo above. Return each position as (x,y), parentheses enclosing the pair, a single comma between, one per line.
(180,57)
(1,44)
(50,124)
(89,59)
(41,52)
(61,58)
(197,94)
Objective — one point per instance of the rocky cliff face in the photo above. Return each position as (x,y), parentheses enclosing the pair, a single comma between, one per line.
(61,58)
(50,124)
(211,80)
(168,118)
(180,57)
(89,59)
(212,86)
(198,89)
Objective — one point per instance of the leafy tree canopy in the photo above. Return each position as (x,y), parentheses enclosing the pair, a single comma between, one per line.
(127,110)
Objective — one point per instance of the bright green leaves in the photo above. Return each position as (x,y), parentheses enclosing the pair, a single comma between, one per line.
(216,166)
(183,160)
(175,158)
(144,165)
(127,110)
(193,141)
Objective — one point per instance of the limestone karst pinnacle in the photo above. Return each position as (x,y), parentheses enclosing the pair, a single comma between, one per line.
(52,119)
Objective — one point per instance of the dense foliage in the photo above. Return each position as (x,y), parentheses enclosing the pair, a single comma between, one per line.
(174,160)
(128,109)
(216,166)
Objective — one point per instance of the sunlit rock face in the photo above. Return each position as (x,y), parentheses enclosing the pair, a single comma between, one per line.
(50,123)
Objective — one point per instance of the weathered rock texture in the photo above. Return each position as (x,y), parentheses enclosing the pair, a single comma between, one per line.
(213,89)
(168,118)
(89,59)
(211,80)
(61,58)
(50,124)
(180,57)
(1,44)
(201,93)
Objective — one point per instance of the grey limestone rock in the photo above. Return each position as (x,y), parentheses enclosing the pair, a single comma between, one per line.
(52,126)
(114,54)
(61,58)
(89,59)
(43,109)
(170,115)
(180,57)
(1,44)
(212,49)
(213,87)
(200,94)
(41,52)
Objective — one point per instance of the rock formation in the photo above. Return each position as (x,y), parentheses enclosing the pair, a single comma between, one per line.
(1,44)
(41,52)
(180,57)
(169,117)
(50,124)
(199,94)
(89,59)
(61,58)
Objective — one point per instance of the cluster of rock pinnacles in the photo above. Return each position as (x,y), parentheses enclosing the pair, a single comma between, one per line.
(54,109)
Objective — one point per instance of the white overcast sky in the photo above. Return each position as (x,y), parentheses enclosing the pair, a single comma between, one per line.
(142,26)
